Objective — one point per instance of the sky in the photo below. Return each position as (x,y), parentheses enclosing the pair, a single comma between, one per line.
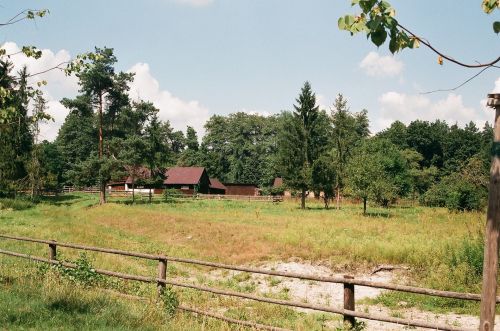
(197,58)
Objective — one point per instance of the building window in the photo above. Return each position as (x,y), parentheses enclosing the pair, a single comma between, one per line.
(185,188)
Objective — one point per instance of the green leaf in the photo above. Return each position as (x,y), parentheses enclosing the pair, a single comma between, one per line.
(496,27)
(393,45)
(378,37)
(341,23)
(349,20)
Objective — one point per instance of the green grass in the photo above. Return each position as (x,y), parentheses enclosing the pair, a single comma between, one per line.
(433,242)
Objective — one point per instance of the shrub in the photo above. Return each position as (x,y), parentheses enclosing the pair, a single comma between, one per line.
(456,194)
(170,194)
(84,273)
(464,196)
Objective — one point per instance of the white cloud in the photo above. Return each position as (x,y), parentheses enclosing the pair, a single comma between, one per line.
(59,85)
(195,3)
(263,113)
(407,108)
(381,66)
(180,113)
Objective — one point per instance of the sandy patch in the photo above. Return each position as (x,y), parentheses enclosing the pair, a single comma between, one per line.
(332,294)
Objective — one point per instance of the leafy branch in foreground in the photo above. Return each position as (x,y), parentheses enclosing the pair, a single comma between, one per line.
(378,21)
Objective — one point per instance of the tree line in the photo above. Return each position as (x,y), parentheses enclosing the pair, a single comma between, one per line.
(332,153)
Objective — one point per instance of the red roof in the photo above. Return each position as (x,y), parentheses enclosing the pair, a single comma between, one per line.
(140,173)
(215,183)
(184,175)
(278,181)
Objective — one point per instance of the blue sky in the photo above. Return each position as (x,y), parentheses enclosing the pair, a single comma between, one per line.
(195,58)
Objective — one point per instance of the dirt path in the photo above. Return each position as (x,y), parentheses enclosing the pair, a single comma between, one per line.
(332,294)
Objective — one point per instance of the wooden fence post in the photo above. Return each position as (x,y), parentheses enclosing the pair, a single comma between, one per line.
(492,235)
(349,301)
(53,251)
(162,274)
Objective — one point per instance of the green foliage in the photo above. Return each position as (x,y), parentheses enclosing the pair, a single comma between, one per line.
(464,190)
(377,20)
(303,138)
(379,171)
(170,300)
(239,148)
(348,131)
(170,195)
(83,274)
(324,177)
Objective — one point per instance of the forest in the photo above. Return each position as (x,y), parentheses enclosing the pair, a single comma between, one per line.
(106,136)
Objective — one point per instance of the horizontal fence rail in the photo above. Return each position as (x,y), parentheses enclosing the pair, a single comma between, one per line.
(348,312)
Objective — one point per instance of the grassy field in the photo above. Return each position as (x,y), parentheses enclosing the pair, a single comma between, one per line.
(438,246)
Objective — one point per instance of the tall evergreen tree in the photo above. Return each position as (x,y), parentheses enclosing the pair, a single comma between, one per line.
(99,81)
(300,144)
(348,132)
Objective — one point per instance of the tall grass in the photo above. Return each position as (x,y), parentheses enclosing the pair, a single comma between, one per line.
(15,204)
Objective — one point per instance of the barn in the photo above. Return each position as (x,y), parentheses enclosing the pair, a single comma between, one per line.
(188,180)
(216,187)
(241,189)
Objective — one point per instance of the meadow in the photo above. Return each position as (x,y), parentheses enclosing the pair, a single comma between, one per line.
(439,248)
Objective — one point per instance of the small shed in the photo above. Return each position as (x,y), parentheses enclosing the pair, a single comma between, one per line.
(216,187)
(241,189)
(279,188)
(188,180)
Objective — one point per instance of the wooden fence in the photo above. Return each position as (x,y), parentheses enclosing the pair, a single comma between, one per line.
(348,311)
(198,196)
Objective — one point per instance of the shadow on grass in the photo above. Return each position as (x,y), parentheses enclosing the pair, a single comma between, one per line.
(58,200)
(382,214)
(70,305)
(146,202)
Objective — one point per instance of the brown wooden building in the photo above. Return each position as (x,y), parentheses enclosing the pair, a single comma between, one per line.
(216,187)
(188,180)
(241,189)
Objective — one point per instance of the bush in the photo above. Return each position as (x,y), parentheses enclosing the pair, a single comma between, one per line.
(84,273)
(464,196)
(15,204)
(170,194)
(456,194)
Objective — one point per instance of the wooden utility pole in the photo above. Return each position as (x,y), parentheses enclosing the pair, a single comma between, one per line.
(492,235)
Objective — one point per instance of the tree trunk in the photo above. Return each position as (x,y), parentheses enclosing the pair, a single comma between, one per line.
(133,190)
(326,198)
(150,196)
(303,200)
(102,193)
(364,206)
(338,197)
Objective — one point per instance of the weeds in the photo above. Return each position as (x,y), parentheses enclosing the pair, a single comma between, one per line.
(84,273)
(345,326)
(170,301)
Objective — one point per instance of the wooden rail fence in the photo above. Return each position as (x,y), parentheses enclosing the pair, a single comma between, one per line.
(198,196)
(348,311)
